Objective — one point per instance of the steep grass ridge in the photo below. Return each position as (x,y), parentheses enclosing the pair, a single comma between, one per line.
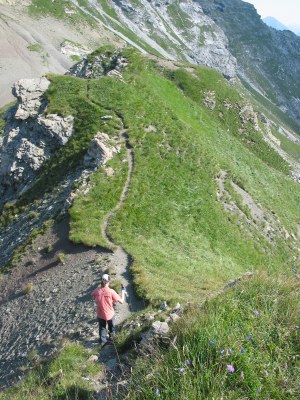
(172,220)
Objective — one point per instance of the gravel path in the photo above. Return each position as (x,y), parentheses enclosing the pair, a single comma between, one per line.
(59,304)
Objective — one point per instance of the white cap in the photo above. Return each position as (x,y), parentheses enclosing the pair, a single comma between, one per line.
(105,277)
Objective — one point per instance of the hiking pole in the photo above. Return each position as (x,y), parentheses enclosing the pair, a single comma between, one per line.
(118,357)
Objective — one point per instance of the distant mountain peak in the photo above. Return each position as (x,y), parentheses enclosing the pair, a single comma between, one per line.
(274,23)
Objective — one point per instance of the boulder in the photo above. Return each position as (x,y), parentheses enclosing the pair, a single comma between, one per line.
(100,151)
(29,93)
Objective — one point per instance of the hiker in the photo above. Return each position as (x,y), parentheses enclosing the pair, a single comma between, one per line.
(105,297)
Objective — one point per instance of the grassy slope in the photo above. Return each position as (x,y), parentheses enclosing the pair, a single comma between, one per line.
(171,220)
(252,328)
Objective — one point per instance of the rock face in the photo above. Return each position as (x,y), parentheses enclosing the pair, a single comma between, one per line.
(267,59)
(160,24)
(104,64)
(30,138)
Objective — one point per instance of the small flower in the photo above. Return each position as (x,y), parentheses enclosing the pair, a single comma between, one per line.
(181,370)
(256,312)
(230,368)
(248,337)
(266,373)
(188,363)
(222,351)
(156,392)
(211,342)
(242,351)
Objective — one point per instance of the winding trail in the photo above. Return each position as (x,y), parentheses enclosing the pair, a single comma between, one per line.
(121,258)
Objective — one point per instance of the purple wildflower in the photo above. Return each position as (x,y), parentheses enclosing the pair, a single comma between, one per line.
(256,312)
(211,342)
(242,351)
(181,370)
(230,368)
(222,351)
(188,363)
(266,373)
(248,337)
(156,392)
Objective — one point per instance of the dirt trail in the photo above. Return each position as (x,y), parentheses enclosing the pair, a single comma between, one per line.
(120,258)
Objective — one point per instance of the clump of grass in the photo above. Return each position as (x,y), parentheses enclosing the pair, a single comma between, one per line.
(242,344)
(48,249)
(36,47)
(3,111)
(111,270)
(28,288)
(61,257)
(75,58)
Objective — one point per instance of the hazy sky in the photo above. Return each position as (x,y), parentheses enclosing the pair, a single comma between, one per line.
(285,11)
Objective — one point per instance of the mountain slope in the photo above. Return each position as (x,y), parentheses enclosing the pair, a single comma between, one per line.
(184,127)
(202,205)
(228,37)
(268,60)
(30,49)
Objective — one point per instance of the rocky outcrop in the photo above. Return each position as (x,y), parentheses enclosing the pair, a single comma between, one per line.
(30,137)
(99,65)
(73,49)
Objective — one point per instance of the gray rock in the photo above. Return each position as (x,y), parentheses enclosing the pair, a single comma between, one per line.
(163,305)
(30,138)
(29,92)
(160,328)
(100,151)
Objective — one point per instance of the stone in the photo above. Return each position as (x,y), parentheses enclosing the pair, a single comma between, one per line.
(100,151)
(163,305)
(93,358)
(159,328)
(29,93)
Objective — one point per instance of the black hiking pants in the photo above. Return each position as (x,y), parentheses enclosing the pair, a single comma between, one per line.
(102,329)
